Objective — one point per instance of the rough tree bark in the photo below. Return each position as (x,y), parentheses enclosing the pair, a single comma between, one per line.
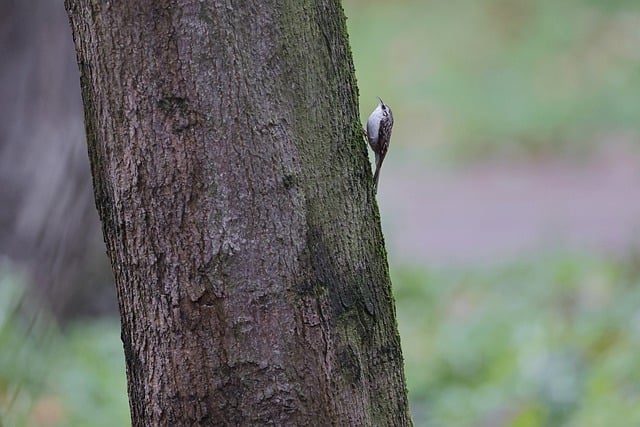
(232,181)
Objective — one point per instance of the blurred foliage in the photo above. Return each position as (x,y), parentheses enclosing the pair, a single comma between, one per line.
(476,76)
(549,341)
(553,341)
(54,378)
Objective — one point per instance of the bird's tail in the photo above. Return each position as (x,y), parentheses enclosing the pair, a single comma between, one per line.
(376,175)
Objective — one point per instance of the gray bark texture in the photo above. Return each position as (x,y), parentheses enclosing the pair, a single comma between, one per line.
(232,181)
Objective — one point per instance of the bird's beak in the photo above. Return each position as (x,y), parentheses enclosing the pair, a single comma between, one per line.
(381,101)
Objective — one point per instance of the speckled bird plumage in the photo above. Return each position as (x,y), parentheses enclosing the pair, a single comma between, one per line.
(379,127)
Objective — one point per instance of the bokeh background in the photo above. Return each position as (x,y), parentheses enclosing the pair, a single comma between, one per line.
(510,203)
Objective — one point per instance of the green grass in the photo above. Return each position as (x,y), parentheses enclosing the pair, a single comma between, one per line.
(54,378)
(549,341)
(473,77)
(552,341)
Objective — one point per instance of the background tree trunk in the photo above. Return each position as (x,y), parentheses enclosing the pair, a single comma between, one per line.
(232,181)
(48,224)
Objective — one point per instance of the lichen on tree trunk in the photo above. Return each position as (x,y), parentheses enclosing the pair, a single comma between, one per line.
(233,185)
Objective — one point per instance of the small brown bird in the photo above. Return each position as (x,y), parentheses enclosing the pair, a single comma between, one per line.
(379,127)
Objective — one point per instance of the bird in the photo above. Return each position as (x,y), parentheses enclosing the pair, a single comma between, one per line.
(379,127)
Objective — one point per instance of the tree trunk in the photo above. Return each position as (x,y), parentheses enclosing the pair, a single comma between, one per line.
(232,181)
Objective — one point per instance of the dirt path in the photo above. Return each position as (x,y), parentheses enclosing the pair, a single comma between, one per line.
(494,210)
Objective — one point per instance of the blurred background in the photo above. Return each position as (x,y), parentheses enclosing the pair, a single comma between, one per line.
(510,202)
